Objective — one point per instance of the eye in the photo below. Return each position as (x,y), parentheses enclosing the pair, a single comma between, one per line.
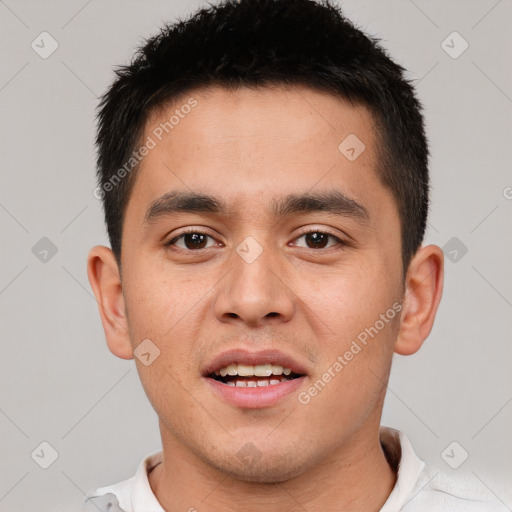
(318,240)
(194,240)
(191,240)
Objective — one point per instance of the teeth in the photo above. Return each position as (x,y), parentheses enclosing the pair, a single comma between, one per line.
(277,370)
(241,383)
(245,370)
(248,370)
(263,370)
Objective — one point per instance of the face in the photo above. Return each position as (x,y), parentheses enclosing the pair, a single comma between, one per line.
(295,281)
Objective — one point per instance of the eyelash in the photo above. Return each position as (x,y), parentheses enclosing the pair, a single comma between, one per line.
(310,231)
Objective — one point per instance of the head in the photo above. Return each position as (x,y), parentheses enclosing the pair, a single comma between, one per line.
(291,149)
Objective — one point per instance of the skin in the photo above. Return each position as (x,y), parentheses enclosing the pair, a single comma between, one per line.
(249,147)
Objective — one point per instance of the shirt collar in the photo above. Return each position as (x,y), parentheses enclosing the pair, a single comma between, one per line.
(143,497)
(400,453)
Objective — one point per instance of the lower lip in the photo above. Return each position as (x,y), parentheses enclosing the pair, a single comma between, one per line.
(255,397)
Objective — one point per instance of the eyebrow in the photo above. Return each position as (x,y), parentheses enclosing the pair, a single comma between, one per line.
(332,201)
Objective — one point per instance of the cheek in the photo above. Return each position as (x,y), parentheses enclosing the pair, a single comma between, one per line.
(348,301)
(161,309)
(357,348)
(168,310)
(157,300)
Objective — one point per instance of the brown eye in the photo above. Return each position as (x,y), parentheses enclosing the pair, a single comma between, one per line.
(318,239)
(191,241)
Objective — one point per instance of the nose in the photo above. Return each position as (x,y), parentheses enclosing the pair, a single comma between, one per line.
(255,292)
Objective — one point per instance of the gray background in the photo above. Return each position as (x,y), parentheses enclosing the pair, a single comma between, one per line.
(58,381)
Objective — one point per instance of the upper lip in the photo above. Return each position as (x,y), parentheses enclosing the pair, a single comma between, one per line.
(253,357)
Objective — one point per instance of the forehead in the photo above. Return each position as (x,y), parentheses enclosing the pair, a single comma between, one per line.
(282,116)
(245,140)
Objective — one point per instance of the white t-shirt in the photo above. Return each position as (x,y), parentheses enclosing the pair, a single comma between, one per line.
(419,487)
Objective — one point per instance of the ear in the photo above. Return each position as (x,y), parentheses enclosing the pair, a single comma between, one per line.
(105,280)
(423,290)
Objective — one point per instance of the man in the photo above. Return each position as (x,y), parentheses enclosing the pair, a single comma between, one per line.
(264,173)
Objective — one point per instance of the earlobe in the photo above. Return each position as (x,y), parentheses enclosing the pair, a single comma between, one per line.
(105,280)
(424,287)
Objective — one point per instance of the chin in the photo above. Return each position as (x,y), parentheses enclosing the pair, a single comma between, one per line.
(249,465)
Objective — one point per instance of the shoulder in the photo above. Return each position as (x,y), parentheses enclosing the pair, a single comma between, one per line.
(102,503)
(451,492)
(422,487)
(112,498)
(131,495)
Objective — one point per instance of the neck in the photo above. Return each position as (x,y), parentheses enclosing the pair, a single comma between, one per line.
(355,476)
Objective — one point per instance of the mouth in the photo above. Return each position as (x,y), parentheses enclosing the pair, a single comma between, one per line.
(254,380)
(252,376)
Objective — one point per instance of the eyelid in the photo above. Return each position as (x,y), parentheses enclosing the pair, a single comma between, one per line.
(203,231)
(318,229)
(321,229)
(305,231)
